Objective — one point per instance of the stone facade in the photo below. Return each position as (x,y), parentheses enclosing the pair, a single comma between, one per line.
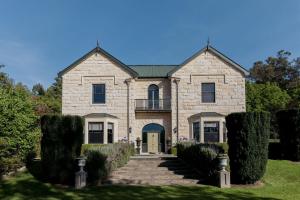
(181,87)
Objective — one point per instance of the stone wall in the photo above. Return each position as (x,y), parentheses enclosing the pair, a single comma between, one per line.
(207,68)
(77,89)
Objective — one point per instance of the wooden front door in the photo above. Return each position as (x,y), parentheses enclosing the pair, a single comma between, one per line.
(152,142)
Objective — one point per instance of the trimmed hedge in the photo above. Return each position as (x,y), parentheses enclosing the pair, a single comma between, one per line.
(202,156)
(102,159)
(289,133)
(248,139)
(62,137)
(274,151)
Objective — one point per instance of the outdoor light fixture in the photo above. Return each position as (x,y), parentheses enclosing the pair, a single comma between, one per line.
(130,129)
(175,130)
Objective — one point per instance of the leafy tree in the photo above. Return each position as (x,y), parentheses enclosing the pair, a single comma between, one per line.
(18,133)
(38,90)
(265,97)
(280,69)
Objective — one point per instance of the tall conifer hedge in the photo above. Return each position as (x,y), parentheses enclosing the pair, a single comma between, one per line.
(248,138)
(289,133)
(62,137)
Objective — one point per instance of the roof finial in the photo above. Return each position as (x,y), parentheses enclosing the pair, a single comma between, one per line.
(97,44)
(208,43)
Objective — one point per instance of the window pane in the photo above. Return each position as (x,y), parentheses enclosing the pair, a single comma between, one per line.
(211,131)
(99,93)
(208,92)
(196,131)
(96,133)
(110,133)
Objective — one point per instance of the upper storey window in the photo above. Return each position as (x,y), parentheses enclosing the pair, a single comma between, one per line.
(99,93)
(208,92)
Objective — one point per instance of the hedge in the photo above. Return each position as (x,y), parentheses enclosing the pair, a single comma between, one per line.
(62,137)
(289,133)
(248,138)
(202,156)
(102,159)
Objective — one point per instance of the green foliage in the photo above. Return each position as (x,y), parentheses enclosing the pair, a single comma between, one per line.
(18,133)
(289,131)
(274,151)
(47,102)
(265,97)
(280,69)
(60,145)
(174,151)
(248,138)
(104,158)
(201,156)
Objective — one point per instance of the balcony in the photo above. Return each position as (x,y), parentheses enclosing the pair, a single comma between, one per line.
(147,105)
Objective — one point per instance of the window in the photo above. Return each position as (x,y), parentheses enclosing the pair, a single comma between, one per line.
(95,132)
(211,131)
(99,93)
(153,97)
(224,132)
(110,133)
(196,131)
(208,92)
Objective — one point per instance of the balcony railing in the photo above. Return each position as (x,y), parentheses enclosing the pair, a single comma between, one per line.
(152,105)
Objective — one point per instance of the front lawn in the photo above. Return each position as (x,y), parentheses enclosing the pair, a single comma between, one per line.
(282,181)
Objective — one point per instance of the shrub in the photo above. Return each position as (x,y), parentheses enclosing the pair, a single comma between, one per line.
(201,156)
(174,151)
(248,137)
(18,134)
(102,159)
(274,151)
(289,132)
(62,137)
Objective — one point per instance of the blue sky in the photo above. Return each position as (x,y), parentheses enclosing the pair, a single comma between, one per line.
(40,38)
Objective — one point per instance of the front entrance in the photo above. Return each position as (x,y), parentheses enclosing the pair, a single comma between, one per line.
(152,142)
(153,138)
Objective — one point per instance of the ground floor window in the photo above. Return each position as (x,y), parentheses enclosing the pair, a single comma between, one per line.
(211,131)
(110,133)
(196,131)
(96,135)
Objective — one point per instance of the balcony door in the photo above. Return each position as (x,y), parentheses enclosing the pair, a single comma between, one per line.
(153,97)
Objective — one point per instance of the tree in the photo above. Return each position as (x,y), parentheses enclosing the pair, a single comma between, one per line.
(38,90)
(278,70)
(18,133)
(266,97)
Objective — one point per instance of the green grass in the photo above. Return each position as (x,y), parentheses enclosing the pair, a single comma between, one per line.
(282,181)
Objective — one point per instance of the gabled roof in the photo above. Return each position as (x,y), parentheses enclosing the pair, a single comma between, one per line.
(215,52)
(152,71)
(106,54)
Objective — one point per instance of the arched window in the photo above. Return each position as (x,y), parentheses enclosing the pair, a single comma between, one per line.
(153,96)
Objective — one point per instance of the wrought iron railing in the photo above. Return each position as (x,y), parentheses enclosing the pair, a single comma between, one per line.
(148,104)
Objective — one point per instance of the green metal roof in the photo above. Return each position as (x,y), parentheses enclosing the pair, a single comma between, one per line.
(152,71)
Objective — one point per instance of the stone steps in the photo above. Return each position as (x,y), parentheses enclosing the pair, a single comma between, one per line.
(154,170)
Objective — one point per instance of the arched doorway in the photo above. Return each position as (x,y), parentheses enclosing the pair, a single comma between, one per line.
(153,96)
(153,138)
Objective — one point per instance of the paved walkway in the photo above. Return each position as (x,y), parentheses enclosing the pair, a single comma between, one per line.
(154,170)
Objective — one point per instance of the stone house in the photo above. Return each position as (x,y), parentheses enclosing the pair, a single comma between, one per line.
(160,104)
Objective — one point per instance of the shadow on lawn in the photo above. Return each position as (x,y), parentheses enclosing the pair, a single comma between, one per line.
(26,187)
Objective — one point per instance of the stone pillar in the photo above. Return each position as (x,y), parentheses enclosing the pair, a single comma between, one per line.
(224,179)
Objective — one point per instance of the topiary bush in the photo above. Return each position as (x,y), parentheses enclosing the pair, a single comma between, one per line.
(201,156)
(289,133)
(248,138)
(102,159)
(62,137)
